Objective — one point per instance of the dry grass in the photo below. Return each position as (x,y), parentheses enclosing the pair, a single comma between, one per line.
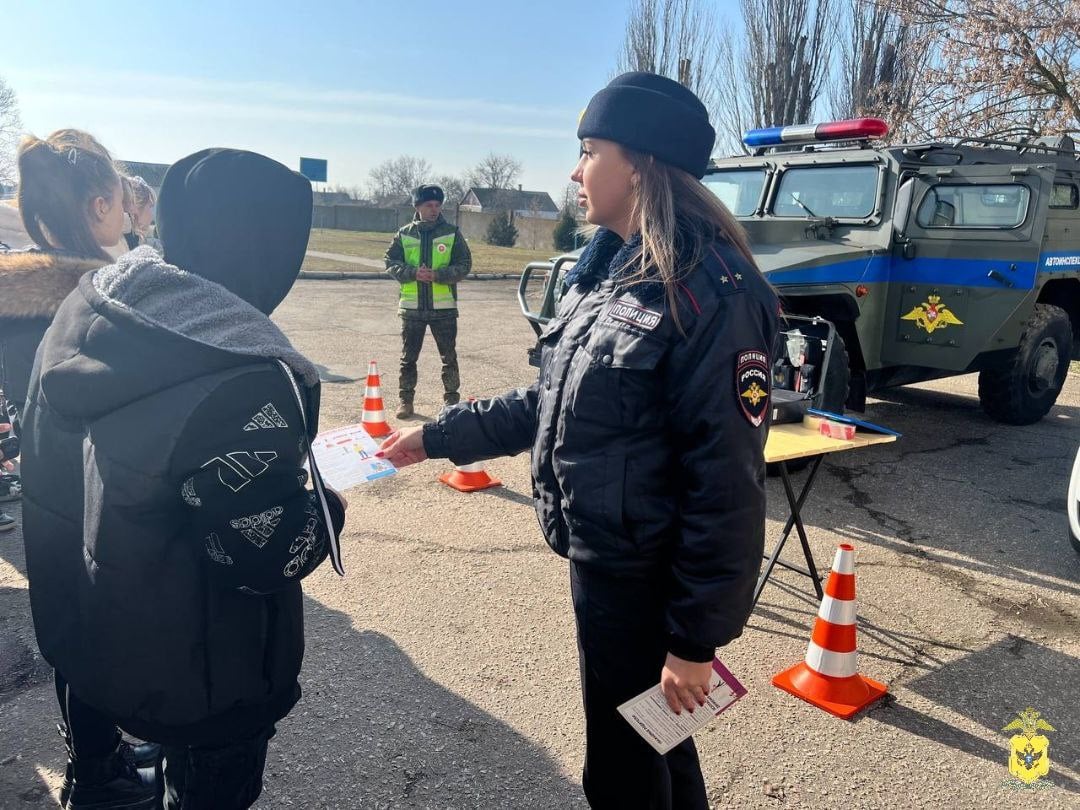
(486,259)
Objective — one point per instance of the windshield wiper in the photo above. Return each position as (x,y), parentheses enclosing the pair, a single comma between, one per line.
(803,205)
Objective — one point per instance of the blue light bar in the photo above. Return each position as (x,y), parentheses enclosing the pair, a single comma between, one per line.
(808,133)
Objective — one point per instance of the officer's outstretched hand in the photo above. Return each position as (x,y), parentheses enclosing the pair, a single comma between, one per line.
(404,447)
(685,683)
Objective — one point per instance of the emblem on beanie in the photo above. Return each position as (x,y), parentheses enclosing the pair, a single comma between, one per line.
(752,385)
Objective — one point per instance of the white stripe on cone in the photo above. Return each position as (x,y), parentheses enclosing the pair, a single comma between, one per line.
(834,664)
(374,416)
(373,392)
(844,563)
(837,611)
(470,468)
(372,368)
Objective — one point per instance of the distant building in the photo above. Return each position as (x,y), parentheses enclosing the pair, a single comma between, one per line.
(522,203)
(332,198)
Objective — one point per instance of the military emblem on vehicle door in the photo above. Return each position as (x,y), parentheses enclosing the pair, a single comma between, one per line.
(932,315)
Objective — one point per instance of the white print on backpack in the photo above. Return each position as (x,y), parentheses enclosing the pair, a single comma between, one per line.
(267,418)
(187,492)
(239,468)
(216,552)
(635,316)
(258,528)
(305,545)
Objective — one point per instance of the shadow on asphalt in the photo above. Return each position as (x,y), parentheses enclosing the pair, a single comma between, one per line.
(992,496)
(504,494)
(370,730)
(1004,678)
(327,376)
(391,735)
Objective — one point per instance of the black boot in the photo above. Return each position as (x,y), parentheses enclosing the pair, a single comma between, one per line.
(112,782)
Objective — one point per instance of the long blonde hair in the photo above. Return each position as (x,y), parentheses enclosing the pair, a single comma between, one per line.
(677,217)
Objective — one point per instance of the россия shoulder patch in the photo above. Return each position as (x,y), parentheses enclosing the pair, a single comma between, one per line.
(752,385)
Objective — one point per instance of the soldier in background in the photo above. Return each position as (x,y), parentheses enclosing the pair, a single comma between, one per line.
(428,257)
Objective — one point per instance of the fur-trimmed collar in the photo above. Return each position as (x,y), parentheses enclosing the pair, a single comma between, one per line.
(607,256)
(33,283)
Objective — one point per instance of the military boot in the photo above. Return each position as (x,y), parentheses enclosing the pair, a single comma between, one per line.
(111,782)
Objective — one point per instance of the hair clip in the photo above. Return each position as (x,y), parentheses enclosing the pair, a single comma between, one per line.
(72,155)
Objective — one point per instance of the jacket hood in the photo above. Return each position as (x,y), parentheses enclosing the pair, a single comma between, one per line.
(238,219)
(33,283)
(141,326)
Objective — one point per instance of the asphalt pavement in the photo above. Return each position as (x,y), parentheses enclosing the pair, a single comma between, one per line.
(441,671)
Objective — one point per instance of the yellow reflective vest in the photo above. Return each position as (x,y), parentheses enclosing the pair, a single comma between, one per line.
(442,247)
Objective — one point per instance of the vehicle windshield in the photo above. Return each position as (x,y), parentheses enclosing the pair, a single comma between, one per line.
(843,192)
(738,189)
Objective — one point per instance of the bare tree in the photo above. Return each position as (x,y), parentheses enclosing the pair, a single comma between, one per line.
(495,171)
(10,129)
(883,61)
(393,181)
(454,187)
(570,197)
(677,39)
(776,74)
(1004,65)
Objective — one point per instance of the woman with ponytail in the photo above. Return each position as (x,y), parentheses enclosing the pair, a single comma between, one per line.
(71,205)
(647,427)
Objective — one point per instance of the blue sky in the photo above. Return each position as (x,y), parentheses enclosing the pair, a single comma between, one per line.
(353,82)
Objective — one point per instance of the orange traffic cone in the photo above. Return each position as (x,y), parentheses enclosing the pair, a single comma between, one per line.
(374,419)
(469,478)
(829,677)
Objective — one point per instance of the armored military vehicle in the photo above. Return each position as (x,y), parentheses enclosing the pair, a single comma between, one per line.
(931,259)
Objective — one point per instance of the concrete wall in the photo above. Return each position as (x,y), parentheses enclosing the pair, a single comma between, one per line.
(360,218)
(534,233)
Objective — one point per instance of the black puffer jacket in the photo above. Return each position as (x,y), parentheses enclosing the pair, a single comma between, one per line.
(166,514)
(647,445)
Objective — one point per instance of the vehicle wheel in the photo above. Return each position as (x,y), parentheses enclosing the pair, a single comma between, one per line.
(837,377)
(1022,391)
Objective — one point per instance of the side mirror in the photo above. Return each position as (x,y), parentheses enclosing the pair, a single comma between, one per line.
(902,207)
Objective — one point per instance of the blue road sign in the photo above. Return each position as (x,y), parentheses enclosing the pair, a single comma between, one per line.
(314,169)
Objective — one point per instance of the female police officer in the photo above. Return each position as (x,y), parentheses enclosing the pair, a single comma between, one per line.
(647,428)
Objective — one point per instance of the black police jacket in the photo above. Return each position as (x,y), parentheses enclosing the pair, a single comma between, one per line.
(647,440)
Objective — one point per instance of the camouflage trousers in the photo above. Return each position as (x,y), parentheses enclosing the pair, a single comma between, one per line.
(444,330)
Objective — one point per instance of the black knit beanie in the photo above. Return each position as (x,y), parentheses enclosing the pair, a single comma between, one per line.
(654,115)
(423,194)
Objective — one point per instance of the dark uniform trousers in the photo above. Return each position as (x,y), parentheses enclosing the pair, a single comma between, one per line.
(622,646)
(227,776)
(222,777)
(444,330)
